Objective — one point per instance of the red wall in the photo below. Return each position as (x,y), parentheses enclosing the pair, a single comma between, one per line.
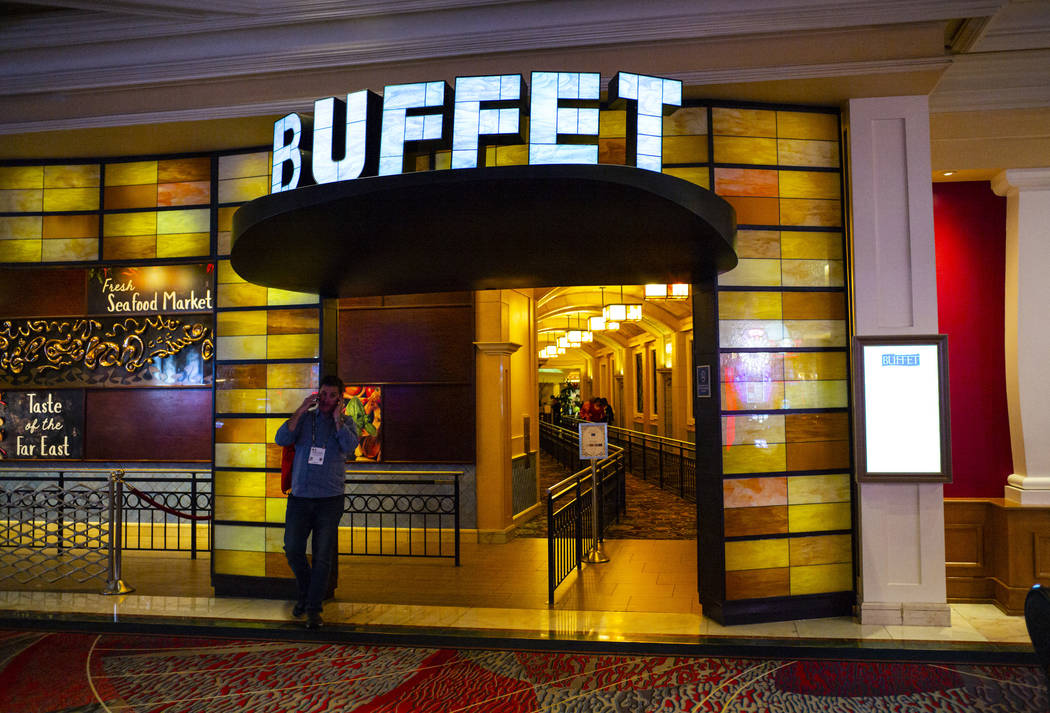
(970,227)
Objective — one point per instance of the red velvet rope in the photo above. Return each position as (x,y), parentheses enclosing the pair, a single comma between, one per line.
(165,508)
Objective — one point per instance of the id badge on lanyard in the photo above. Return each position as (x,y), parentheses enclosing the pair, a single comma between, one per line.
(316,452)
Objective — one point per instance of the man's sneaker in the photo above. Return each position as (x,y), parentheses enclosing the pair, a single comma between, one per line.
(299,609)
(314,620)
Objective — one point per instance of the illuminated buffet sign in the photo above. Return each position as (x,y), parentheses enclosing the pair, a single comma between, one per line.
(367,134)
(150,290)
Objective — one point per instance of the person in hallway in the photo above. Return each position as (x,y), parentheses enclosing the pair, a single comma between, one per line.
(607,412)
(323,441)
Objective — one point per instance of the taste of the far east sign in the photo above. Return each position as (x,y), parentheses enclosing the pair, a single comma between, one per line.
(42,425)
(155,289)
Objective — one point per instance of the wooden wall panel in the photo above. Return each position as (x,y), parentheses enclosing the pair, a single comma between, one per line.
(148,425)
(428,423)
(42,293)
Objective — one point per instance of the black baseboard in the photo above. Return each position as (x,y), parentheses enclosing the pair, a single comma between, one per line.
(756,611)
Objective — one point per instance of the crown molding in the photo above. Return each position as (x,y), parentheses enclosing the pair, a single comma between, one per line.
(1015,180)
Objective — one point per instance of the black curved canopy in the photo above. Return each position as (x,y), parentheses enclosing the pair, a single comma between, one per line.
(472,229)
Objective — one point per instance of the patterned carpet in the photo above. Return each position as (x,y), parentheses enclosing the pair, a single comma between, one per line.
(74,672)
(652,514)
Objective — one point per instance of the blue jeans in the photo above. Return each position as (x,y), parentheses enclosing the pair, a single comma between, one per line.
(319,516)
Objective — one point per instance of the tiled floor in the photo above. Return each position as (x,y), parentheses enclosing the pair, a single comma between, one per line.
(646,593)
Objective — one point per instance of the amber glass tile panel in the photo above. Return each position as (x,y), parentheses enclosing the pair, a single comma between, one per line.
(243,347)
(821,578)
(442,160)
(810,184)
(21,200)
(239,483)
(758,243)
(751,366)
(239,537)
(273,483)
(817,154)
(120,197)
(183,221)
(70,226)
(749,522)
(758,583)
(240,508)
(813,366)
(514,155)
(807,125)
(240,455)
(822,549)
(752,273)
(755,211)
(69,250)
(240,376)
(750,395)
(767,428)
(753,492)
(240,430)
(735,149)
(804,245)
(743,122)
(184,245)
(811,212)
(746,182)
(292,376)
(292,346)
(814,332)
(293,321)
(808,489)
(178,170)
(224,238)
(286,400)
(273,424)
(73,176)
(771,457)
(700,175)
(240,295)
(239,323)
(756,554)
(224,273)
(817,517)
(240,401)
(186,193)
(275,510)
(248,564)
(20,250)
(804,427)
(750,333)
(684,149)
(276,297)
(133,173)
(815,394)
(25,227)
(612,151)
(21,177)
(612,123)
(818,455)
(749,305)
(240,190)
(275,453)
(812,273)
(813,305)
(242,165)
(61,199)
(144,223)
(136,247)
(688,121)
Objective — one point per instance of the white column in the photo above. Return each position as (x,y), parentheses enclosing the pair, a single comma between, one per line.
(1027,343)
(901,528)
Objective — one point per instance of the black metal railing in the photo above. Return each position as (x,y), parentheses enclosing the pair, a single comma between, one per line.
(665,462)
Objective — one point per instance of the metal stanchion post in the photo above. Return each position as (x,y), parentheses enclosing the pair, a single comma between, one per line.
(595,555)
(115,585)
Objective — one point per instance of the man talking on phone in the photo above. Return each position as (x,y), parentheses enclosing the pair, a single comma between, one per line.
(323,442)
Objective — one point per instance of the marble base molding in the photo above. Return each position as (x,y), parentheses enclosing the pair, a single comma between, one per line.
(1027,489)
(905,614)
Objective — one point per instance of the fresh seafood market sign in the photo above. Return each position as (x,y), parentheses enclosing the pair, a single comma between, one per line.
(367,134)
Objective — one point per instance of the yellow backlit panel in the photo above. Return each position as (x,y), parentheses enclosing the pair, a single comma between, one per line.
(272,424)
(139,247)
(293,346)
(224,219)
(812,273)
(229,324)
(70,250)
(178,170)
(810,489)
(187,193)
(802,245)
(688,121)
(754,492)
(810,184)
(514,155)
(684,149)
(275,509)
(815,394)
(817,154)
(818,579)
(822,549)
(244,165)
(744,122)
(811,212)
(240,430)
(250,347)
(286,400)
(742,430)
(750,333)
(749,305)
(247,564)
(239,508)
(76,176)
(144,223)
(240,455)
(241,190)
(442,160)
(131,174)
(21,227)
(699,175)
(756,554)
(765,458)
(21,177)
(746,182)
(758,243)
(184,245)
(224,273)
(183,221)
(284,376)
(21,200)
(731,149)
(20,250)
(752,273)
(750,395)
(58,199)
(70,226)
(613,124)
(814,333)
(241,295)
(815,366)
(224,243)
(807,125)
(818,517)
(275,535)
(240,401)
(279,298)
(751,366)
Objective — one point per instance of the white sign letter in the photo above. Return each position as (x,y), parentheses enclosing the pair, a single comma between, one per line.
(358,142)
(501,116)
(645,127)
(575,120)
(405,120)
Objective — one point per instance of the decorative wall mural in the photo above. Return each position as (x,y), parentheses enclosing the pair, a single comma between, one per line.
(107,351)
(364,407)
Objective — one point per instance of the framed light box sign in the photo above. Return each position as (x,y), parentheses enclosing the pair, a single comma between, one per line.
(903,430)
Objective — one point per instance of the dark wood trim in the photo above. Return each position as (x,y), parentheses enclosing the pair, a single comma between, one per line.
(810,606)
